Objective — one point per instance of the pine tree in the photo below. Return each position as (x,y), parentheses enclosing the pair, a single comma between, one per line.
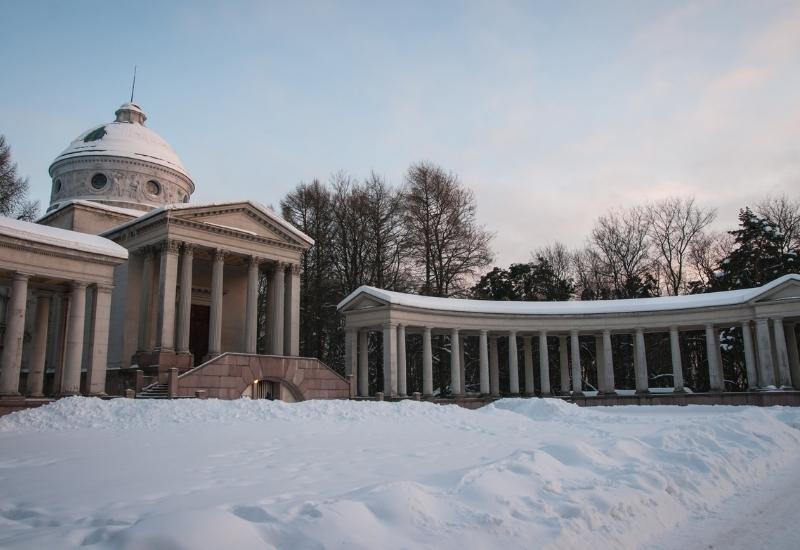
(757,257)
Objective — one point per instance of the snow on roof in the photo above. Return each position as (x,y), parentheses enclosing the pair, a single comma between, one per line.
(124,139)
(93,204)
(187,206)
(572,307)
(64,238)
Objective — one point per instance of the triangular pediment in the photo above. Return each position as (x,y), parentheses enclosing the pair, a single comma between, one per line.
(243,218)
(786,291)
(364,301)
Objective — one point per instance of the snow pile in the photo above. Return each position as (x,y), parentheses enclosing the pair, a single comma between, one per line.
(259,474)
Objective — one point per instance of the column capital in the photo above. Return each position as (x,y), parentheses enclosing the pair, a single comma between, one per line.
(777,319)
(105,289)
(188,249)
(606,332)
(512,332)
(389,324)
(674,328)
(253,260)
(427,329)
(170,246)
(760,321)
(219,255)
(78,284)
(574,332)
(484,332)
(21,276)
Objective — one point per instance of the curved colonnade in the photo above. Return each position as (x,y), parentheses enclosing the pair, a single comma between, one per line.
(766,316)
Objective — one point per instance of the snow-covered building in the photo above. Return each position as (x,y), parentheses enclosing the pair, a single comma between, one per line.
(772,358)
(188,294)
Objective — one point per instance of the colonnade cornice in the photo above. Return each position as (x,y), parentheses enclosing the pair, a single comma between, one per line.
(57,252)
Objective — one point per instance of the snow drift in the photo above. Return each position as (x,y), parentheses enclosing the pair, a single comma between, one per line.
(127,474)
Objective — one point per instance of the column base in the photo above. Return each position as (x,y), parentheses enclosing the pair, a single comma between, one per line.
(12,397)
(679,390)
(642,392)
(607,392)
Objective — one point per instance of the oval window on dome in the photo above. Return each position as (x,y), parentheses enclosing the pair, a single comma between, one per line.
(153,187)
(99,181)
(56,186)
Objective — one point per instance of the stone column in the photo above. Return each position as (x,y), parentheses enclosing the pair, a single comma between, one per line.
(455,366)
(544,363)
(291,345)
(269,318)
(351,359)
(36,368)
(427,363)
(185,299)
(278,283)
(575,349)
(600,361)
(11,359)
(494,368)
(251,306)
(527,354)
(782,354)
(794,354)
(167,285)
(96,374)
(640,362)
(483,353)
(132,293)
(677,363)
(462,364)
(71,379)
(513,364)
(389,359)
(363,363)
(145,298)
(215,319)
(712,345)
(749,356)
(402,385)
(766,370)
(563,363)
(608,364)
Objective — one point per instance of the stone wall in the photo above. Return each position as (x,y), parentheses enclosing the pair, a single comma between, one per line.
(228,375)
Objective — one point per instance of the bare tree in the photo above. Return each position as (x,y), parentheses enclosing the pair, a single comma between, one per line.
(559,257)
(785,214)
(448,245)
(706,253)
(621,240)
(674,225)
(14,189)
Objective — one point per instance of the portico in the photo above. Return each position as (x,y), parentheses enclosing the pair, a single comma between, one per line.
(765,316)
(192,285)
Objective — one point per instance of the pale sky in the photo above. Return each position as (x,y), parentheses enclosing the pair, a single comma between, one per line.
(551,112)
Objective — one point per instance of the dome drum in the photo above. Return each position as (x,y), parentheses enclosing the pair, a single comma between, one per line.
(122,163)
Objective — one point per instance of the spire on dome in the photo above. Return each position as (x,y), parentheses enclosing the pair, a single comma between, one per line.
(130,112)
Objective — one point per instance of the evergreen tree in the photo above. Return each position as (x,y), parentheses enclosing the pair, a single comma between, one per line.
(757,257)
(533,281)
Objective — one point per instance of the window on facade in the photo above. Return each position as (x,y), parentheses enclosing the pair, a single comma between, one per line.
(99,181)
(56,186)
(153,187)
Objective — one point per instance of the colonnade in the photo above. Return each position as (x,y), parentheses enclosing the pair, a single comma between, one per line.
(170,316)
(70,360)
(771,358)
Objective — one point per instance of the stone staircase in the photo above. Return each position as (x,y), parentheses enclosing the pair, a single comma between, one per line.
(154,391)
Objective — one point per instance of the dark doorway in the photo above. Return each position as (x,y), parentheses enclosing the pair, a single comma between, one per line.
(198,332)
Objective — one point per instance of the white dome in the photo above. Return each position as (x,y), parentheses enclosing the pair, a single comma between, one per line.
(126,137)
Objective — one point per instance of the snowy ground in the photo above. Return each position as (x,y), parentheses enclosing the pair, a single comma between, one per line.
(191,474)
